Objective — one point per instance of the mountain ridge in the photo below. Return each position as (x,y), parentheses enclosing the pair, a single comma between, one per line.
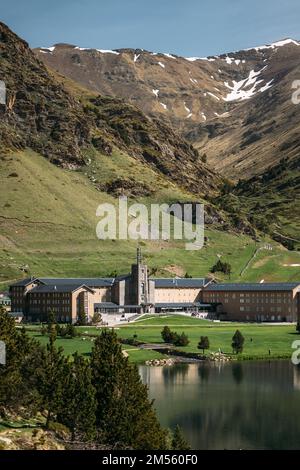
(41,114)
(204,99)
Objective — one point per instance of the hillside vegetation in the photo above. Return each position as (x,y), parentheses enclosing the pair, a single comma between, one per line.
(48,227)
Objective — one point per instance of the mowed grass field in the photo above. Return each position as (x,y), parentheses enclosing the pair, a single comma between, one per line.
(84,346)
(259,338)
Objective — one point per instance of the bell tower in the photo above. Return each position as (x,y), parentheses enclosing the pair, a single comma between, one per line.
(139,280)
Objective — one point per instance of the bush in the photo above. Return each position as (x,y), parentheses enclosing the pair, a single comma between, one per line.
(59,429)
(221,267)
(172,337)
(203,343)
(96,318)
(166,334)
(181,340)
(238,342)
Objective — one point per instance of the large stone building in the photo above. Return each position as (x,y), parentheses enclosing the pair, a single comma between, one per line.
(278,302)
(131,293)
(136,293)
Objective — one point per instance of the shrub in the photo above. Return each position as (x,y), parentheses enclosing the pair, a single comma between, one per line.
(238,342)
(222,267)
(181,340)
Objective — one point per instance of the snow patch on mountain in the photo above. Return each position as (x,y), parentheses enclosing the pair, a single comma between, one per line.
(102,51)
(192,59)
(136,56)
(214,96)
(240,90)
(107,51)
(186,108)
(47,50)
(161,64)
(274,45)
(163,105)
(232,60)
(267,86)
(155,92)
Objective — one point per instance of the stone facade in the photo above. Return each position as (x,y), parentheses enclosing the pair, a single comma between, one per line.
(255,302)
(137,293)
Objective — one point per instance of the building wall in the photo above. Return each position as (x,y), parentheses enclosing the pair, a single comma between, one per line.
(255,306)
(176,294)
(18,297)
(64,305)
(101,294)
(40,304)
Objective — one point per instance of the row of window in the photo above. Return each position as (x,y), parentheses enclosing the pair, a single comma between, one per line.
(49,302)
(64,295)
(234,295)
(261,309)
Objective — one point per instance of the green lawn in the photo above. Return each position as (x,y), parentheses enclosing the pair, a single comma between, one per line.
(84,346)
(277,338)
(259,339)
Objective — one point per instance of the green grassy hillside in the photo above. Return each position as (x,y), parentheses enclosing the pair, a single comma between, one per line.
(48,226)
(273,201)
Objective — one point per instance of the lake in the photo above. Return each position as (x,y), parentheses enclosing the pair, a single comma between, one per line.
(240,405)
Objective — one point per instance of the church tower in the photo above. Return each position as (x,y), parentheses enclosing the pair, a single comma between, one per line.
(139,281)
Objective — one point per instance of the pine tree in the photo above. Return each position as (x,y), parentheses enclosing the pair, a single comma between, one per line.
(82,318)
(125,417)
(16,375)
(50,378)
(179,442)
(166,334)
(71,330)
(203,343)
(52,327)
(78,401)
(181,340)
(238,342)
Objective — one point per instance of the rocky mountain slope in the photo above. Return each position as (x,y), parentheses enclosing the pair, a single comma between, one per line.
(41,114)
(235,108)
(66,149)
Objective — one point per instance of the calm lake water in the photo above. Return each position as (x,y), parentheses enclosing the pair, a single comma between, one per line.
(250,405)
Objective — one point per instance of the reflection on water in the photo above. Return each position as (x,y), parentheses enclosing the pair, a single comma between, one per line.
(250,405)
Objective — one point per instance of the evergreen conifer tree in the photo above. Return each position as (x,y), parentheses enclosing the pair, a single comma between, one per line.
(238,342)
(179,442)
(78,402)
(125,417)
(203,343)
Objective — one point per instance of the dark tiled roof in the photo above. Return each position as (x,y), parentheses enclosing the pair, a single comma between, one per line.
(264,286)
(182,282)
(90,282)
(23,282)
(57,288)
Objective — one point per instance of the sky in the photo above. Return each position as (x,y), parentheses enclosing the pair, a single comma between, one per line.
(183,27)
